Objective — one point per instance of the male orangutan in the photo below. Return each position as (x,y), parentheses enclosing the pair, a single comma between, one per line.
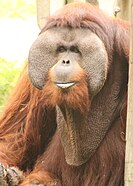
(71,132)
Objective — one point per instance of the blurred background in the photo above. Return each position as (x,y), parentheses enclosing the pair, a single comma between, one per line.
(18,29)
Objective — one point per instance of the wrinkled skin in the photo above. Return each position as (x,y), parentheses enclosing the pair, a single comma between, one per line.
(10,176)
(51,49)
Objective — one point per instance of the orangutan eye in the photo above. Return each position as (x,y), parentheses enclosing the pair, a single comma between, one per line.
(61,49)
(74,49)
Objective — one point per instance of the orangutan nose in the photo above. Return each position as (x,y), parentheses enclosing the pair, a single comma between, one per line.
(66,62)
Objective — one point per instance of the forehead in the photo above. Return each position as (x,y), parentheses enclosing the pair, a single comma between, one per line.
(68,34)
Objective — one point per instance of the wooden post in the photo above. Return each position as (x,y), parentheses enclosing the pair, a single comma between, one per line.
(129,127)
(46,8)
(124,9)
(95,2)
(43,10)
(55,5)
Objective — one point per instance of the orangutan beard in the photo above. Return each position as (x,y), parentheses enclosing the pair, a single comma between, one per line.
(75,97)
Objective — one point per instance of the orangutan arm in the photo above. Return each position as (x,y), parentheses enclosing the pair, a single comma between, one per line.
(48,166)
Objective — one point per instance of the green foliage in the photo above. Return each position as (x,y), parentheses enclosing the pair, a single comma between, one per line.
(8,77)
(9,72)
(17,8)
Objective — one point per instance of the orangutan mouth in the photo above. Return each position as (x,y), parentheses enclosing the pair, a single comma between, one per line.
(65,85)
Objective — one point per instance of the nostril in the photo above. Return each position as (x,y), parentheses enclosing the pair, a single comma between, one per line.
(63,62)
(67,62)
